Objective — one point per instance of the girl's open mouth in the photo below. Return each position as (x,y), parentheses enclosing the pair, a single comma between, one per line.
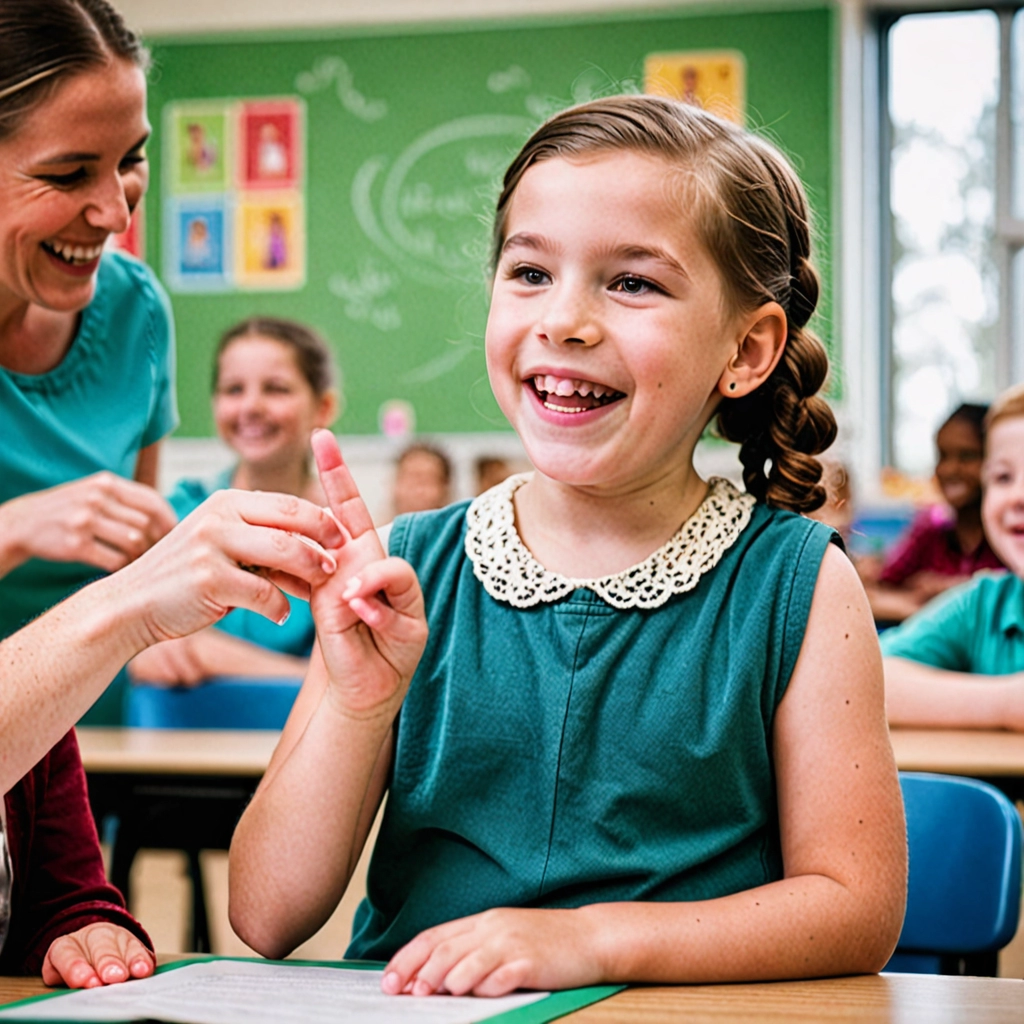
(571,395)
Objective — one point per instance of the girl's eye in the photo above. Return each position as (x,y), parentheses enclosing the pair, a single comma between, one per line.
(631,285)
(132,160)
(529,275)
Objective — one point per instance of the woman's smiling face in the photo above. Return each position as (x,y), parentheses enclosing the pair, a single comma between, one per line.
(608,330)
(69,177)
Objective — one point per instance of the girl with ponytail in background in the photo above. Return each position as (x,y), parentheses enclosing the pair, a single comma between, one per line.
(642,733)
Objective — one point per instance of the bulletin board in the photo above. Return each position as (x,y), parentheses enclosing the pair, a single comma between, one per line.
(407,132)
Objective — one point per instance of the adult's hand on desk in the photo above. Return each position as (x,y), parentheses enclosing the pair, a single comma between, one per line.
(235,551)
(98,954)
(370,618)
(102,520)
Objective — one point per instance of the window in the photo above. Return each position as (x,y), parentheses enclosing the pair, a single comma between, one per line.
(953,185)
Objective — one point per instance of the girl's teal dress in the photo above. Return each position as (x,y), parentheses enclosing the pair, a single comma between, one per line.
(566,742)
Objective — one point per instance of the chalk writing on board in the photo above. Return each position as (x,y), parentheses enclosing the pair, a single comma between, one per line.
(513,77)
(427,209)
(363,295)
(334,69)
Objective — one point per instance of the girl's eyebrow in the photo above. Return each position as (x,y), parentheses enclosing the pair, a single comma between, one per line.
(77,158)
(527,240)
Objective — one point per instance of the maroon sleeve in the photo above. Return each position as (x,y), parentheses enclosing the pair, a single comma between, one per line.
(59,881)
(912,552)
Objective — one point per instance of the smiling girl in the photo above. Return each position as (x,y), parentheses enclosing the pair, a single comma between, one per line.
(273,384)
(641,733)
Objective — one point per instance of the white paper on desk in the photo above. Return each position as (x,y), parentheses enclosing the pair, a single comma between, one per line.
(244,992)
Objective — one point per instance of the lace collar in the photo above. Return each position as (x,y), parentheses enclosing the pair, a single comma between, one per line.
(509,573)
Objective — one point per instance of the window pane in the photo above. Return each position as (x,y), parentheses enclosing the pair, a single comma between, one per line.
(943,88)
(1017,111)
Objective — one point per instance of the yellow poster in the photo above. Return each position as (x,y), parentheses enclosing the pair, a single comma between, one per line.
(271,241)
(712,79)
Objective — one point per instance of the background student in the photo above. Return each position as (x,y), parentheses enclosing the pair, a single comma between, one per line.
(944,546)
(959,662)
(620,745)
(423,479)
(86,341)
(273,384)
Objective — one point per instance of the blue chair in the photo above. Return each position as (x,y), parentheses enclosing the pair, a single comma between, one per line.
(223,702)
(965,876)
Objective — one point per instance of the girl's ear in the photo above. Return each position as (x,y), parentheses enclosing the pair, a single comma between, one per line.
(329,408)
(762,339)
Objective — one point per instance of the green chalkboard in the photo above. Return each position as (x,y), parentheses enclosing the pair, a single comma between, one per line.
(408,134)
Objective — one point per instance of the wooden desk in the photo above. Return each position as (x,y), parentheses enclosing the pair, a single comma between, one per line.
(996,757)
(885,999)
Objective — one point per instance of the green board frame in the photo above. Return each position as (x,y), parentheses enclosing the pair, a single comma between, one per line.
(409,131)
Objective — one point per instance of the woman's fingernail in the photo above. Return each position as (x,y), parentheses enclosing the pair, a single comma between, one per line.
(140,966)
(328,564)
(421,988)
(115,972)
(391,983)
(351,588)
(284,618)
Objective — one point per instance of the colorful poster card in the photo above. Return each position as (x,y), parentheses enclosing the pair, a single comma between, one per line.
(270,144)
(270,240)
(200,135)
(197,231)
(713,79)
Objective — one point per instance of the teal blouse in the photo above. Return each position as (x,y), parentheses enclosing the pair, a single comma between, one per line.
(297,635)
(976,627)
(111,396)
(572,752)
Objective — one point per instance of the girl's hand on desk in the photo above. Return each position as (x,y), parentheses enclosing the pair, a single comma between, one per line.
(102,520)
(98,954)
(235,551)
(370,618)
(496,952)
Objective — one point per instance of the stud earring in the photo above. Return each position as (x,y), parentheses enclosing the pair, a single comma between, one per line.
(732,385)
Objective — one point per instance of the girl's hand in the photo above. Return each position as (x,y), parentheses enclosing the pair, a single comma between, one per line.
(98,954)
(234,551)
(496,952)
(370,619)
(102,520)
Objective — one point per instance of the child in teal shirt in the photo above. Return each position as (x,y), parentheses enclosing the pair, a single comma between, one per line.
(630,723)
(959,662)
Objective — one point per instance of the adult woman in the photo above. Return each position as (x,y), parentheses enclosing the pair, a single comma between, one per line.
(86,343)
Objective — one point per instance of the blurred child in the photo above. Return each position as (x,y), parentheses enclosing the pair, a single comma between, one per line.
(630,723)
(490,470)
(945,545)
(272,386)
(423,478)
(959,662)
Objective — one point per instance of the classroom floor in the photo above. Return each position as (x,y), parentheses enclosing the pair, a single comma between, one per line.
(160,882)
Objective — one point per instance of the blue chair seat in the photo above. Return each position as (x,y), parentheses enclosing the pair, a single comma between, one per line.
(964,892)
(223,702)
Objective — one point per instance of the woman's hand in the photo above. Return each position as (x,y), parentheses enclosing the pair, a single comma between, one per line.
(235,551)
(496,952)
(98,954)
(102,520)
(370,619)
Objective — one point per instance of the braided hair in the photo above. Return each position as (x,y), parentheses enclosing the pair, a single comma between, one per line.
(751,213)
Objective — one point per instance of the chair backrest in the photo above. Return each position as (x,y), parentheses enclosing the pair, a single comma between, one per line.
(228,702)
(965,869)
